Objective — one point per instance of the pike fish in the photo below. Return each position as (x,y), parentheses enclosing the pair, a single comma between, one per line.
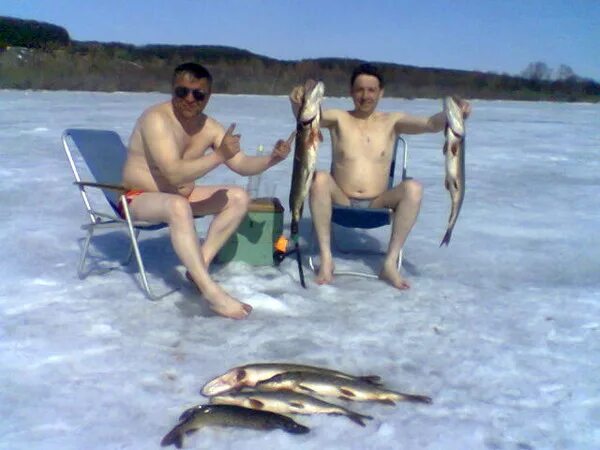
(250,374)
(285,402)
(228,416)
(454,151)
(308,137)
(331,386)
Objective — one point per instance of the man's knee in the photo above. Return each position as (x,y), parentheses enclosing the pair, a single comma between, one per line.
(238,198)
(179,209)
(320,183)
(413,190)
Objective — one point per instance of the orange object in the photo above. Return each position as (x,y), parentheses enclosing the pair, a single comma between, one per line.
(281,244)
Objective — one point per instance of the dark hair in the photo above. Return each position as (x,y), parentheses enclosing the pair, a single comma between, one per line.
(194,70)
(367,69)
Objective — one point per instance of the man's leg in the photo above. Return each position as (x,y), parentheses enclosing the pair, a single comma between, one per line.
(323,192)
(177,212)
(229,204)
(405,200)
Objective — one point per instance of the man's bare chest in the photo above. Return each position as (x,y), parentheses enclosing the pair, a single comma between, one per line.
(196,143)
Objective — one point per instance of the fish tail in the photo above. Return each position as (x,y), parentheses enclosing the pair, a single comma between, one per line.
(358,418)
(447,236)
(173,437)
(294,427)
(414,398)
(371,379)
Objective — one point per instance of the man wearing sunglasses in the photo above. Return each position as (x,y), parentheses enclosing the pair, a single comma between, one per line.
(173,144)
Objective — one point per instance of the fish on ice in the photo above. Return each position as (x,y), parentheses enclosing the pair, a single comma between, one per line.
(287,402)
(228,416)
(250,374)
(326,385)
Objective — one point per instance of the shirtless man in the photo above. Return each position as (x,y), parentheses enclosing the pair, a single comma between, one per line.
(362,150)
(168,151)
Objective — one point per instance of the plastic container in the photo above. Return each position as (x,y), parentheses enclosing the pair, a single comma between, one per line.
(253,186)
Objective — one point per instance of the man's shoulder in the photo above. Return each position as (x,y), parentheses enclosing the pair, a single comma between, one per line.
(210,122)
(331,117)
(158,112)
(335,112)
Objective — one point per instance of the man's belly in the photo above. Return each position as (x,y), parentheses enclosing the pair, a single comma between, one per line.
(145,180)
(362,187)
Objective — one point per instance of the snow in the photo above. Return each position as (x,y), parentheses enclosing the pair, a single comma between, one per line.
(501,329)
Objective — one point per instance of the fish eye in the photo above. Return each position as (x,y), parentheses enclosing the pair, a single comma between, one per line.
(241,374)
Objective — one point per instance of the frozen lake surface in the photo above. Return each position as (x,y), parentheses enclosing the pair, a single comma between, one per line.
(501,329)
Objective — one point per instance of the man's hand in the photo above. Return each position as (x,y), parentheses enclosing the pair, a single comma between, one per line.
(297,94)
(230,145)
(296,97)
(282,149)
(465,106)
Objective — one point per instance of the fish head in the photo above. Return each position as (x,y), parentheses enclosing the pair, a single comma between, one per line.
(234,379)
(189,413)
(454,116)
(314,91)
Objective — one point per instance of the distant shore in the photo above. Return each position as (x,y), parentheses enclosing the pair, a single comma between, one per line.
(34,55)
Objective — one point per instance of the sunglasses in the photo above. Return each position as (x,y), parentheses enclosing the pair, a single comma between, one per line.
(182,92)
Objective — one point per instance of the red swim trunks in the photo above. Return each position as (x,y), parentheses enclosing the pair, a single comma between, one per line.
(129,196)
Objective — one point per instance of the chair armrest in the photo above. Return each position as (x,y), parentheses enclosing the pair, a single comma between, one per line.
(112,187)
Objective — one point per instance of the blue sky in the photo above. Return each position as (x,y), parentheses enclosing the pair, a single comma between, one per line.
(501,36)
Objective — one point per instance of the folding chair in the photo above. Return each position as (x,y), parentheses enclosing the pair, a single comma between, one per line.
(365,218)
(104,155)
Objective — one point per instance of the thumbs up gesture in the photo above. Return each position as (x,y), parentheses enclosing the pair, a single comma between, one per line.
(282,148)
(230,144)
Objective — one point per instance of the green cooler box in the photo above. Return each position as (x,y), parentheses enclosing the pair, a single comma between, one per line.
(253,241)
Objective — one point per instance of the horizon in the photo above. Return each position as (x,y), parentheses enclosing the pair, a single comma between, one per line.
(501,38)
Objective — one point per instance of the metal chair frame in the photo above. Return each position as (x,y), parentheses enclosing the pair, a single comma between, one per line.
(86,142)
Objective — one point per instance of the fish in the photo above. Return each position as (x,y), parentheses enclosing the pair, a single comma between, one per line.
(250,374)
(308,138)
(454,152)
(200,416)
(331,386)
(283,402)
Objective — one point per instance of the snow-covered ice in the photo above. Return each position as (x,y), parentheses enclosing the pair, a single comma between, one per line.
(502,328)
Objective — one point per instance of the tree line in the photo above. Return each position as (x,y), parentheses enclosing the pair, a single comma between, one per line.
(34,55)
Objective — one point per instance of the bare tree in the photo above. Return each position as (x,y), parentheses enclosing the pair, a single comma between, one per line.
(538,71)
(565,72)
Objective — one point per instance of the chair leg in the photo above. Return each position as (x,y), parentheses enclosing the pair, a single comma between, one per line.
(313,267)
(142,269)
(133,234)
(84,252)
(311,249)
(130,253)
(362,251)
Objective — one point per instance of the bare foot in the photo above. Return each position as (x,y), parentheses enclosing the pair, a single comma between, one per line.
(389,273)
(325,275)
(222,303)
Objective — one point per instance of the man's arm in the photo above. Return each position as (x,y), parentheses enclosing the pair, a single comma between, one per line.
(407,124)
(165,154)
(245,165)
